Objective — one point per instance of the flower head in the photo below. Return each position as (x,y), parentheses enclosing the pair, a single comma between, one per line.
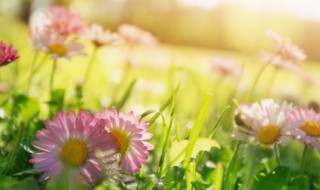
(134,35)
(60,19)
(129,135)
(7,54)
(286,51)
(101,37)
(69,144)
(225,67)
(55,44)
(264,123)
(305,126)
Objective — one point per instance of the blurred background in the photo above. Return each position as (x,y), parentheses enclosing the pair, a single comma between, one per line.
(232,25)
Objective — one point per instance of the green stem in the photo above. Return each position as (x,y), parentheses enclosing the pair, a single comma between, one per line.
(304,158)
(54,67)
(228,184)
(35,57)
(272,81)
(259,74)
(89,68)
(277,153)
(15,151)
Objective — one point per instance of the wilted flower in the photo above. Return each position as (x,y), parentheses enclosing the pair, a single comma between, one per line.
(101,37)
(68,146)
(305,126)
(134,35)
(55,44)
(287,53)
(225,67)
(264,123)
(129,135)
(7,54)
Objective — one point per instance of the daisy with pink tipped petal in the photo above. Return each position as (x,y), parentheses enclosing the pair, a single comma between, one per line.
(305,126)
(7,54)
(68,146)
(130,136)
(265,123)
(100,36)
(60,19)
(55,44)
(225,67)
(287,53)
(135,35)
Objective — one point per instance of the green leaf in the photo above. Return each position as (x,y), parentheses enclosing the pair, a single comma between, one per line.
(300,182)
(57,101)
(164,106)
(26,107)
(196,130)
(276,179)
(177,151)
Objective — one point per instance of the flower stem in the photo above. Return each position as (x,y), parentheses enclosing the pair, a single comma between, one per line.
(277,153)
(89,68)
(35,57)
(272,81)
(231,170)
(257,78)
(304,158)
(54,67)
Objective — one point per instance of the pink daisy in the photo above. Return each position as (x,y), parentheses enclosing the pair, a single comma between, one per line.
(287,52)
(134,35)
(129,135)
(62,20)
(68,145)
(305,126)
(225,67)
(7,54)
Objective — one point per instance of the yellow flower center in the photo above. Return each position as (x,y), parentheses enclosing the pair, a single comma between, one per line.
(58,49)
(62,23)
(268,134)
(1,53)
(312,129)
(121,139)
(74,153)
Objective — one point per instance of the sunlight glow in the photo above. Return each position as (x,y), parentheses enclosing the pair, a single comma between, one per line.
(203,4)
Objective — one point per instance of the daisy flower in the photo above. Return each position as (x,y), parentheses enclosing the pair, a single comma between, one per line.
(129,135)
(225,67)
(134,35)
(287,52)
(7,54)
(265,123)
(55,44)
(305,126)
(60,19)
(100,36)
(68,145)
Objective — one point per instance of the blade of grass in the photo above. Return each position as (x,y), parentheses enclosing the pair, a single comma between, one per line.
(126,95)
(164,148)
(164,106)
(196,130)
(230,177)
(215,126)
(218,178)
